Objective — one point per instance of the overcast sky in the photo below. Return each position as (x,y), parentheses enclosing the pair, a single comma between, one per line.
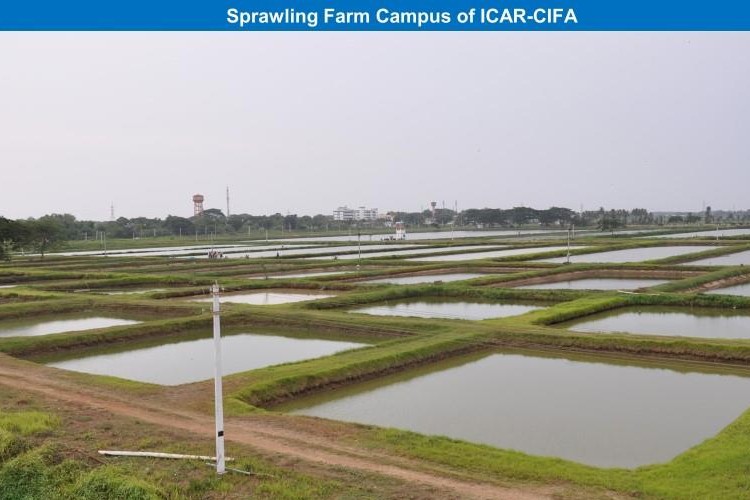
(303,123)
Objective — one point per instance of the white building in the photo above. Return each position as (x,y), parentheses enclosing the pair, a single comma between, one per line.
(360,213)
(344,213)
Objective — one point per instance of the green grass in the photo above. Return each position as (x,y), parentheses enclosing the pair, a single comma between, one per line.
(27,423)
(29,470)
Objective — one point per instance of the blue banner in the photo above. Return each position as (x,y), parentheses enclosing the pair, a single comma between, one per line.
(374,15)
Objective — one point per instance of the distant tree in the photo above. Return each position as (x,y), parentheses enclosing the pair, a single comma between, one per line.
(609,220)
(523,215)
(556,215)
(305,222)
(45,234)
(178,225)
(12,234)
(237,221)
(641,216)
(290,222)
(213,213)
(321,221)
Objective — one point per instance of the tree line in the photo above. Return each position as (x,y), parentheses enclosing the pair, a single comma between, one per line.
(47,232)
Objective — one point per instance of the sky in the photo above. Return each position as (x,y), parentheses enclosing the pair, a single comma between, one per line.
(306,122)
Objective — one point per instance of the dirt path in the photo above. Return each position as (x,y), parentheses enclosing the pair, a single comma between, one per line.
(269,435)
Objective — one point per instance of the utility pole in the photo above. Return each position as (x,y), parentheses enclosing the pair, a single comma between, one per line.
(567,257)
(359,249)
(218,397)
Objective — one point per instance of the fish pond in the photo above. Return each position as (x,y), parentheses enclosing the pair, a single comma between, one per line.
(430,235)
(266,298)
(631,254)
(597,284)
(425,278)
(732,259)
(409,253)
(63,322)
(448,309)
(585,409)
(296,250)
(743,289)
(490,254)
(192,360)
(721,233)
(678,322)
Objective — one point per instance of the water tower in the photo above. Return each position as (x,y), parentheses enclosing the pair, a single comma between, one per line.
(197,204)
(433,204)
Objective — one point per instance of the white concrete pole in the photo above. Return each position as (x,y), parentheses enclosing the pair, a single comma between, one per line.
(218,398)
(359,249)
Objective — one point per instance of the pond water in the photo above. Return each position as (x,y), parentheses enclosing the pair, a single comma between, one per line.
(707,323)
(491,254)
(193,360)
(732,259)
(597,284)
(721,233)
(631,254)
(425,278)
(434,235)
(578,408)
(143,251)
(267,298)
(410,253)
(743,289)
(227,250)
(450,309)
(64,322)
(177,251)
(289,251)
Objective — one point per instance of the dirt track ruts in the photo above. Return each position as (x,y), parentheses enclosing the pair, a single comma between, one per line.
(264,435)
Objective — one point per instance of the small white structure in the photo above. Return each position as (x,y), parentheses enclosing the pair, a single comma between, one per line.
(400,231)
